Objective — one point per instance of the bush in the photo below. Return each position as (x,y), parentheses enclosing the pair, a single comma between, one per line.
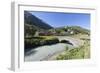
(31,43)
(51,41)
(36,42)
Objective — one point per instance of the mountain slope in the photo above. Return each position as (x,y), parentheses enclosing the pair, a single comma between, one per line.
(36,22)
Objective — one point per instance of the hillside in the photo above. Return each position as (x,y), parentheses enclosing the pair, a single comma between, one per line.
(33,20)
(71,30)
(33,24)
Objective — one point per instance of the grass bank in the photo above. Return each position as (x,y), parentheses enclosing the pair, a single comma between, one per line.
(81,52)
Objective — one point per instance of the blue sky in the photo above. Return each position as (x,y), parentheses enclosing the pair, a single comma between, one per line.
(58,19)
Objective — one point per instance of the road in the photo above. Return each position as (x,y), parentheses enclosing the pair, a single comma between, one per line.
(45,52)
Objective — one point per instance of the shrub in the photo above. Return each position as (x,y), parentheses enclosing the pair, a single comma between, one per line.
(31,43)
(29,30)
(51,41)
(36,42)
